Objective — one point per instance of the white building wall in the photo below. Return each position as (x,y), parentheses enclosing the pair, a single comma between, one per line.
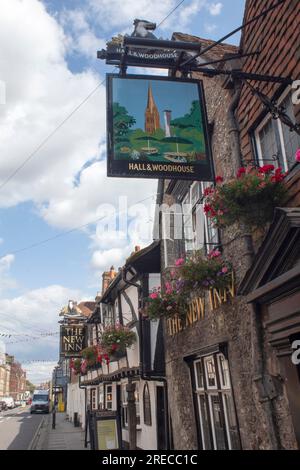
(146,435)
(76,403)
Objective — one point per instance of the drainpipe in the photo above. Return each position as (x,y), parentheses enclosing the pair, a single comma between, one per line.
(234,131)
(266,388)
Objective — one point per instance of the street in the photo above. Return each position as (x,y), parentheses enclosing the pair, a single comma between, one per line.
(17,428)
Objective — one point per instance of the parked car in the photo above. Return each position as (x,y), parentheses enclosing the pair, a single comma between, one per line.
(18,403)
(10,402)
(3,405)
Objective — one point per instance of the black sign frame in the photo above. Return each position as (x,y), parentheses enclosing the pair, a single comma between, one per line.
(68,355)
(144,169)
(95,417)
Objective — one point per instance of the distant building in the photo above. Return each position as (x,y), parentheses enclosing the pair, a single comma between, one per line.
(4,376)
(17,381)
(152,120)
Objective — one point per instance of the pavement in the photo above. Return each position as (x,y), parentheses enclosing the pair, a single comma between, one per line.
(18,428)
(64,437)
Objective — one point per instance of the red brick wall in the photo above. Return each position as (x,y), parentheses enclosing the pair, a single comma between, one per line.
(277,36)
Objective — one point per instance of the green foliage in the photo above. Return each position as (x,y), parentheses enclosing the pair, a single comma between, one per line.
(30,386)
(77,366)
(122,122)
(192,119)
(90,354)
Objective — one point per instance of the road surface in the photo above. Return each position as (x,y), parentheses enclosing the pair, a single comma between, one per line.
(17,428)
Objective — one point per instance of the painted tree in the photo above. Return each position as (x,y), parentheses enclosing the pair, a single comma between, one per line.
(122,123)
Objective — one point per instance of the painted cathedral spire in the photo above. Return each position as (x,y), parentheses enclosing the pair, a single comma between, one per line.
(152,121)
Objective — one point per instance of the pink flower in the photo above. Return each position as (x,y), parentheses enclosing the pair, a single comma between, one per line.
(219,179)
(179,262)
(297,156)
(214,254)
(168,286)
(154,295)
(224,270)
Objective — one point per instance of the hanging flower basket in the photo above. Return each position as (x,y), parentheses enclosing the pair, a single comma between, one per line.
(249,199)
(203,272)
(117,355)
(115,339)
(75,365)
(198,273)
(90,354)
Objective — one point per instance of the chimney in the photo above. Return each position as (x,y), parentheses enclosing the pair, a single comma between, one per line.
(107,277)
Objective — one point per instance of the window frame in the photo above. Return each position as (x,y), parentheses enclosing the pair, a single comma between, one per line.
(106,394)
(148,414)
(191,244)
(220,390)
(279,129)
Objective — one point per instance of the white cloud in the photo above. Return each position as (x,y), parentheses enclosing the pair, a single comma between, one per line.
(81,38)
(38,372)
(41,92)
(215,8)
(6,281)
(114,15)
(34,312)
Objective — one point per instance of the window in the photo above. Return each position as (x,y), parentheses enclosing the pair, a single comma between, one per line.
(147,405)
(101,397)
(108,315)
(108,397)
(198,229)
(215,408)
(275,141)
(125,404)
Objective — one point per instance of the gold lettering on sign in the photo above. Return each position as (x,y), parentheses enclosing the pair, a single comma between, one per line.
(197,307)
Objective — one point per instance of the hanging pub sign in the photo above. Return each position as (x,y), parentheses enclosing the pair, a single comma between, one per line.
(72,340)
(157,128)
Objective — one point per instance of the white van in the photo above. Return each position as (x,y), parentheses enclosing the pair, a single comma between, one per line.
(10,402)
(40,402)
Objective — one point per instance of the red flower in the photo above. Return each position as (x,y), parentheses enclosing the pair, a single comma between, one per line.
(266,168)
(208,191)
(219,179)
(207,208)
(297,156)
(114,347)
(241,172)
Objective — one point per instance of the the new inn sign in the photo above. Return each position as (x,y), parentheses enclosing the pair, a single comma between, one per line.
(72,340)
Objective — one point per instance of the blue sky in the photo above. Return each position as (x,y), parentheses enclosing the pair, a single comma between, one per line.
(49,66)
